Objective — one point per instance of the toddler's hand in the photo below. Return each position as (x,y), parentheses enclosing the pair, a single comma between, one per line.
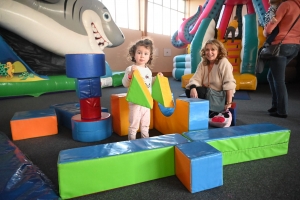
(160,74)
(133,68)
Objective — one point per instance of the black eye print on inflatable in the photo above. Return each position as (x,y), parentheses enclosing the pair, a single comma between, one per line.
(106,17)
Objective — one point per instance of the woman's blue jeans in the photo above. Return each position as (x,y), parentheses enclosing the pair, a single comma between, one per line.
(276,76)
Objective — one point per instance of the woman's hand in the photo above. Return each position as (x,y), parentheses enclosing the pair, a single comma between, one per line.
(193,93)
(227,106)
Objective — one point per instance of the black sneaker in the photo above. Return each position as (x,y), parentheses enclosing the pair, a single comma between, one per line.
(278,115)
(272,110)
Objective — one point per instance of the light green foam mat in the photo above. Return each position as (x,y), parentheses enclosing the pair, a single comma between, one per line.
(252,147)
(90,176)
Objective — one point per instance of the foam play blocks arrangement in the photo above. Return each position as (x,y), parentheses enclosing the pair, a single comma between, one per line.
(246,142)
(97,168)
(20,178)
(138,92)
(120,114)
(198,166)
(91,124)
(34,123)
(195,157)
(189,114)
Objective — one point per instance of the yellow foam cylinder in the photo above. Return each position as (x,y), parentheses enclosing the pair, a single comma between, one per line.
(248,82)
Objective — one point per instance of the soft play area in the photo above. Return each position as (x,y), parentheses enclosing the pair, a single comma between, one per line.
(187,147)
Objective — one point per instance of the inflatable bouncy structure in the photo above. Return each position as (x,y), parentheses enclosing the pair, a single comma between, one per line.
(54,28)
(197,29)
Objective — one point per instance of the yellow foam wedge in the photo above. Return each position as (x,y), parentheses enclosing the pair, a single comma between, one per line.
(161,91)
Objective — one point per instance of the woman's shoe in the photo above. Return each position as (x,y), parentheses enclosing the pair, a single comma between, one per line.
(278,115)
(272,110)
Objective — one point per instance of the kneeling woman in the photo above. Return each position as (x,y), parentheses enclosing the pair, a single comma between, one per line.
(214,73)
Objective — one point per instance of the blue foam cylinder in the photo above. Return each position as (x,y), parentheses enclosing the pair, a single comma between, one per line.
(85,65)
(91,130)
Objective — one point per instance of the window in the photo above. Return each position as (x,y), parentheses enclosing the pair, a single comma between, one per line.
(125,13)
(164,16)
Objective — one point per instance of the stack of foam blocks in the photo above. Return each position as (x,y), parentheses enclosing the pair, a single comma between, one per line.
(91,124)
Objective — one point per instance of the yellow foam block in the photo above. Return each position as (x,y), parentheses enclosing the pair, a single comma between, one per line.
(161,91)
(185,79)
(31,124)
(120,114)
(138,92)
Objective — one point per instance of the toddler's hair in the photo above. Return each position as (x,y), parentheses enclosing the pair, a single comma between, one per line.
(147,43)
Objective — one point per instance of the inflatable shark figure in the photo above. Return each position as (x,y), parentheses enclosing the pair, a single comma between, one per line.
(62,26)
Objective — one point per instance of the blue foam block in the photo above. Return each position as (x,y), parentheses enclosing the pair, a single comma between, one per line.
(198,113)
(232,132)
(33,114)
(206,165)
(233,114)
(88,88)
(119,148)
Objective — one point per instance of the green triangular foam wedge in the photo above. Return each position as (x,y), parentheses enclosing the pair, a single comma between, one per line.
(161,91)
(138,92)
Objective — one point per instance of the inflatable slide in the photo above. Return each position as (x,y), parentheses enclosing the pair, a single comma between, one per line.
(242,54)
(48,30)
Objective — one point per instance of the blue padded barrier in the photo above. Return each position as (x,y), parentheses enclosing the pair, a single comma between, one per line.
(20,178)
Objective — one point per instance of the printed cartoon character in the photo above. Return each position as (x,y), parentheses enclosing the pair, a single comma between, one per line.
(10,70)
(7,70)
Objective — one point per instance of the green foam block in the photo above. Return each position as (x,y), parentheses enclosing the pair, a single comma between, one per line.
(252,147)
(107,173)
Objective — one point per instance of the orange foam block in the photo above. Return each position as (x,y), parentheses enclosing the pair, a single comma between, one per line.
(138,92)
(120,114)
(34,123)
(188,114)
(161,91)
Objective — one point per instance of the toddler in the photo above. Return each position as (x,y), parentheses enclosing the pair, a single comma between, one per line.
(141,54)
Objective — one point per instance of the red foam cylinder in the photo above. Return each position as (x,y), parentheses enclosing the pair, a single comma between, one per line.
(90,108)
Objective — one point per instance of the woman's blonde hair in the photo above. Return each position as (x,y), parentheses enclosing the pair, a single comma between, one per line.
(222,52)
(147,43)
